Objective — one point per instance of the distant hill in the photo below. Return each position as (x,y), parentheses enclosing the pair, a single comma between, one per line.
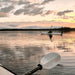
(34,27)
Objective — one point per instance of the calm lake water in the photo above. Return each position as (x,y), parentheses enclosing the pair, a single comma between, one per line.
(20,51)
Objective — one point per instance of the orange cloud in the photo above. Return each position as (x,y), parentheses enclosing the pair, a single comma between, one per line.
(50,12)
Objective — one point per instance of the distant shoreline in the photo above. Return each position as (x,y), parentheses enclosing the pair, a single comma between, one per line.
(65,29)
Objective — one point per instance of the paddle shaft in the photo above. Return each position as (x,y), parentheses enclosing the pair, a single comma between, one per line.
(39,67)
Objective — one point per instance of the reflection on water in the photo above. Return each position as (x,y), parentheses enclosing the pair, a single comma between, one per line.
(20,51)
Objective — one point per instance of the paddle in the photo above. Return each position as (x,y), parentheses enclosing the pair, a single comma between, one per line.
(47,62)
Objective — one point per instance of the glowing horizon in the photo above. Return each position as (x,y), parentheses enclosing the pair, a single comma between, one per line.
(39,10)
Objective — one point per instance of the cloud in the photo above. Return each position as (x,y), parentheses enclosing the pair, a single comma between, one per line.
(33,8)
(50,12)
(46,1)
(64,12)
(2,14)
(7,9)
(36,11)
(6,0)
(13,25)
(18,12)
(23,2)
(28,8)
(29,11)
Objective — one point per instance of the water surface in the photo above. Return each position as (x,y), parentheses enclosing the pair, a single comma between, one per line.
(20,51)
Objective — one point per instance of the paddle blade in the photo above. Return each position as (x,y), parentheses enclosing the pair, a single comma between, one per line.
(50,60)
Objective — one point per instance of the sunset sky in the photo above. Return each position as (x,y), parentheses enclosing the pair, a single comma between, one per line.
(37,10)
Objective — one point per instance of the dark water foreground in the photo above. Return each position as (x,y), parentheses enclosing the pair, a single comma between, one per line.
(20,51)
